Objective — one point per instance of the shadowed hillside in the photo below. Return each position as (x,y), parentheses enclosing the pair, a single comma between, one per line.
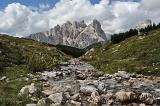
(34,55)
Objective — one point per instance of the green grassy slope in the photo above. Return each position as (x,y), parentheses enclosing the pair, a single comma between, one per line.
(36,56)
(18,57)
(140,54)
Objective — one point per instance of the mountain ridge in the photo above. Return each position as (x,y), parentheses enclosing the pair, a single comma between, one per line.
(75,34)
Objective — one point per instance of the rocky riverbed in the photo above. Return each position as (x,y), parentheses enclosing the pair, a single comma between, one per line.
(76,83)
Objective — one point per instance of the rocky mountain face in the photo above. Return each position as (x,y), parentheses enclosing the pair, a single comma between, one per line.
(75,34)
(144,24)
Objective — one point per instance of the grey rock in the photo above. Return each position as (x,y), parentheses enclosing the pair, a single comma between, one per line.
(32,88)
(87,90)
(76,97)
(24,91)
(44,102)
(76,34)
(31,104)
(66,95)
(56,104)
(75,103)
(95,98)
(28,89)
(57,98)
(99,85)
(144,24)
(124,96)
(122,74)
(34,99)
(158,101)
(147,98)
(3,78)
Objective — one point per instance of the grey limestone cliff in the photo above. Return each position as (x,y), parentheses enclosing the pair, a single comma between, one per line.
(75,34)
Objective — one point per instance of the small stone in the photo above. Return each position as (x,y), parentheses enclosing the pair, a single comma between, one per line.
(157,92)
(107,98)
(57,98)
(24,91)
(66,95)
(122,74)
(44,78)
(56,104)
(142,104)
(32,88)
(123,96)
(80,76)
(97,74)
(76,97)
(87,90)
(34,99)
(147,98)
(47,92)
(3,78)
(59,73)
(31,105)
(26,79)
(99,85)
(28,89)
(75,103)
(46,84)
(95,98)
(35,79)
(43,102)
(158,101)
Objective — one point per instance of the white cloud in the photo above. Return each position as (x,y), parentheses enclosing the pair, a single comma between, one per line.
(20,20)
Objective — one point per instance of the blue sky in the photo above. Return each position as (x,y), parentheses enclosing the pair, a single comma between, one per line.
(35,3)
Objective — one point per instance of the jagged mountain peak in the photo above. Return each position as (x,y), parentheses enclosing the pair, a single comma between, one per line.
(75,34)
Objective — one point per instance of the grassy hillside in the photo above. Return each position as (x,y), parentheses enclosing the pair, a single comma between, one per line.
(140,54)
(19,57)
(35,56)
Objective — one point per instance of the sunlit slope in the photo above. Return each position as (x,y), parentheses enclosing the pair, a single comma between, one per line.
(140,54)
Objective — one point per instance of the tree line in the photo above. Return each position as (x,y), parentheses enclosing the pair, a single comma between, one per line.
(116,38)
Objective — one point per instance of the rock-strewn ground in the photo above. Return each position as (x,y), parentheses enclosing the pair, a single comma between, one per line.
(76,83)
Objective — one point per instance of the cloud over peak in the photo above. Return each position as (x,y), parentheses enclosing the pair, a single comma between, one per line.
(20,20)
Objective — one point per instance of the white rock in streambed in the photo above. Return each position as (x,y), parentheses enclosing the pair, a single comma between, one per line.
(56,98)
(122,74)
(147,98)
(123,96)
(28,89)
(87,90)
